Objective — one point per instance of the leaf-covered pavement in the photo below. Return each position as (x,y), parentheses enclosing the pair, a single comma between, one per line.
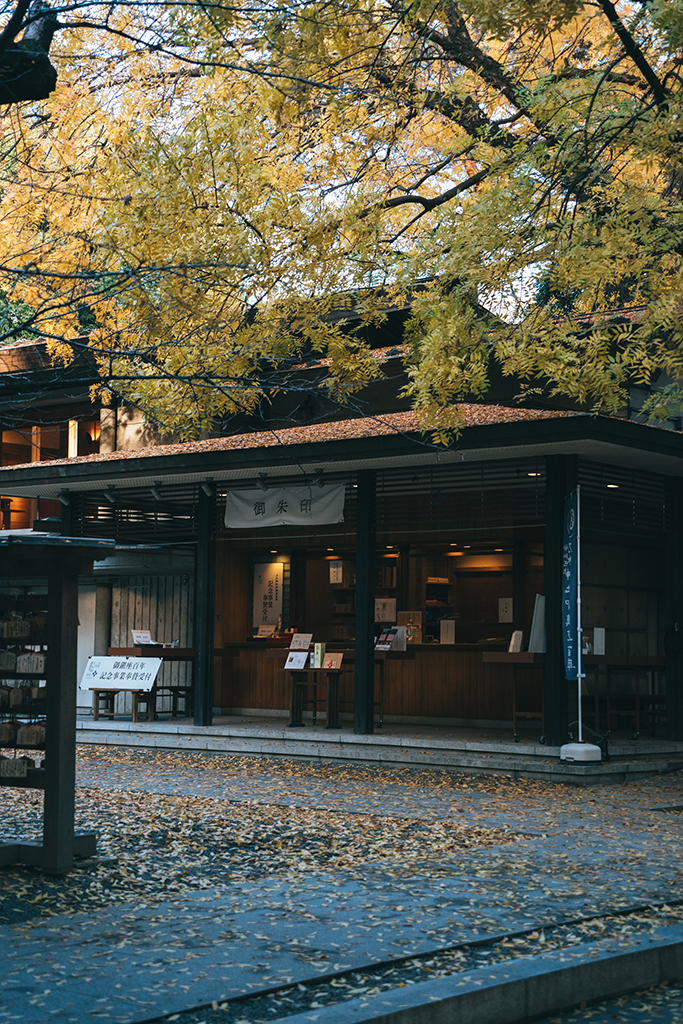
(662,1004)
(231,874)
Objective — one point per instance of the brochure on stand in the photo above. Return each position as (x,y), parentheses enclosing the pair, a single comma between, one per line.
(296,659)
(300,641)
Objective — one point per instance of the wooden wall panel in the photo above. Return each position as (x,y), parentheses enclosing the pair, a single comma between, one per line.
(251,679)
(163,605)
(233,594)
(233,617)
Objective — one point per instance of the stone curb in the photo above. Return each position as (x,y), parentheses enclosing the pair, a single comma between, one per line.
(513,761)
(514,992)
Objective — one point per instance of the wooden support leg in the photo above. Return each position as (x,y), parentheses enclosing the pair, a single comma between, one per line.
(332,700)
(380,701)
(637,732)
(296,701)
(515,734)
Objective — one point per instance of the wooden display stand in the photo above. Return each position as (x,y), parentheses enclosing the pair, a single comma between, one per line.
(149,697)
(61,560)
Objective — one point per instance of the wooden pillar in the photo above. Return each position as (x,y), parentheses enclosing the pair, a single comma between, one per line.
(68,517)
(204,608)
(364,677)
(673,631)
(519,585)
(402,578)
(60,738)
(561,478)
(297,589)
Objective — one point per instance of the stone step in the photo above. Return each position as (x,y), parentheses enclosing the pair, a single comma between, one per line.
(524,759)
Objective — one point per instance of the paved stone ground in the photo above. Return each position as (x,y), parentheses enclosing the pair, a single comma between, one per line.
(660,1005)
(560,853)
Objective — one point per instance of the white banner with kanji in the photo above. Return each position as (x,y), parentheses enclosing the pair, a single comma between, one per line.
(285,506)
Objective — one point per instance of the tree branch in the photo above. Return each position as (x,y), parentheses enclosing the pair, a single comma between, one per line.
(424,201)
(13,26)
(634,52)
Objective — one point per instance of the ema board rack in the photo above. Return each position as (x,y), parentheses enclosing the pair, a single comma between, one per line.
(38,657)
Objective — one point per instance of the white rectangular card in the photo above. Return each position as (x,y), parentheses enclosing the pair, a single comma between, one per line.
(296,659)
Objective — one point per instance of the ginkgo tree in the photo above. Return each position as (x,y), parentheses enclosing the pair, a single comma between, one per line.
(207,184)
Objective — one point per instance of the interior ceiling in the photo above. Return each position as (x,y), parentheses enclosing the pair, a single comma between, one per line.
(122,474)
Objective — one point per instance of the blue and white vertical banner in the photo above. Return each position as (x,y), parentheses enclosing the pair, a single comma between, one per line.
(570,585)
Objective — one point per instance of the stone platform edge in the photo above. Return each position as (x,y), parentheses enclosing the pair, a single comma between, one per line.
(521,990)
(533,762)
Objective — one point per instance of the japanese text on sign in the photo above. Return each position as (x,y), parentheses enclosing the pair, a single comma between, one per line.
(13,768)
(117,673)
(280,506)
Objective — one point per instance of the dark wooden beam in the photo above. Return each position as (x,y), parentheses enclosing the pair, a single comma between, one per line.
(364,677)
(561,478)
(60,738)
(204,608)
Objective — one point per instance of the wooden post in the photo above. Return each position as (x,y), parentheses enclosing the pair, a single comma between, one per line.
(402,578)
(68,516)
(561,478)
(519,585)
(204,608)
(673,583)
(60,744)
(364,676)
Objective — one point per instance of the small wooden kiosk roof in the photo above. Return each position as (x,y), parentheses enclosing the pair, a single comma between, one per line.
(377,442)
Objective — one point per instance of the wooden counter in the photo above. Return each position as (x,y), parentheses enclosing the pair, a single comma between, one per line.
(430,681)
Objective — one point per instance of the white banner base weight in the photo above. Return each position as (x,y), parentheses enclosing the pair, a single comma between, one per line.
(580,752)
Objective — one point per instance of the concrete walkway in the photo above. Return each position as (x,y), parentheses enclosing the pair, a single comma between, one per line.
(580,852)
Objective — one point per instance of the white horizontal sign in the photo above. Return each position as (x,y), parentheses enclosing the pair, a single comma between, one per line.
(119,673)
(285,506)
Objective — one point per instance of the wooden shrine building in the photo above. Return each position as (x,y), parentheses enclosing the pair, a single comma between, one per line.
(462,538)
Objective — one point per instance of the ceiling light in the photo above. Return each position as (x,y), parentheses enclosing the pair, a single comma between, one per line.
(65,497)
(319,478)
(261,482)
(156,493)
(207,487)
(613,487)
(533,474)
(109,495)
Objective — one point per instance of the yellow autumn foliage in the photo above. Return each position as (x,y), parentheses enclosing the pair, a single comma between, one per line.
(201,213)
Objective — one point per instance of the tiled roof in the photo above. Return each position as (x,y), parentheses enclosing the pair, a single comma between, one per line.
(369,426)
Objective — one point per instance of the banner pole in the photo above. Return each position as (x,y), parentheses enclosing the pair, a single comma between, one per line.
(579,628)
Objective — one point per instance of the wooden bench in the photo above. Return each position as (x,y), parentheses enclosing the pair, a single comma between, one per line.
(104,702)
